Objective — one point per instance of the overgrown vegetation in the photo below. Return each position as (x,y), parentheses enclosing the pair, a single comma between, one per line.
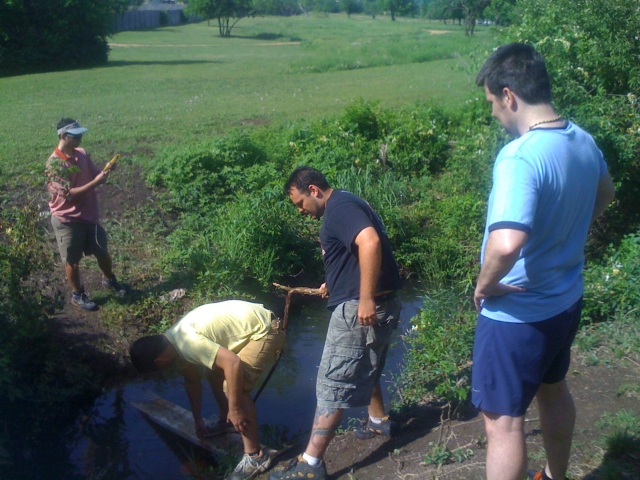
(426,170)
(237,224)
(33,377)
(589,48)
(43,35)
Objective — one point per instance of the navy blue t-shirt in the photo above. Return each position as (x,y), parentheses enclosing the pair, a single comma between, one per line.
(345,216)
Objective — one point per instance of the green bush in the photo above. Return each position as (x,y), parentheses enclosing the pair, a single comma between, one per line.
(164,18)
(200,175)
(35,385)
(438,364)
(257,236)
(43,35)
(412,166)
(612,285)
(591,48)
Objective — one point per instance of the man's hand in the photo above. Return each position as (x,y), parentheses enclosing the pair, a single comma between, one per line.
(323,290)
(494,291)
(367,312)
(240,421)
(101,178)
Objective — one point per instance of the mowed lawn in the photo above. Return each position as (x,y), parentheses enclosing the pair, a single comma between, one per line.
(181,84)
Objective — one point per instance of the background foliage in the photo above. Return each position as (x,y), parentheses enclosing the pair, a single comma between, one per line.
(41,35)
(425,169)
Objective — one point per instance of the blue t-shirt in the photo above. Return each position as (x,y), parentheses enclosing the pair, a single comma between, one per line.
(545,184)
(345,216)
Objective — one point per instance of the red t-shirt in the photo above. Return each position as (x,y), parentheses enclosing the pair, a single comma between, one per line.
(64,173)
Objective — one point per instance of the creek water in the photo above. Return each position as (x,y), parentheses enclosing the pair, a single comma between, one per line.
(115,441)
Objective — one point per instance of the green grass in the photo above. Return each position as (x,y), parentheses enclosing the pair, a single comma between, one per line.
(182,84)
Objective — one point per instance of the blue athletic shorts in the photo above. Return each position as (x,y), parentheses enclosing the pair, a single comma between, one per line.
(511,360)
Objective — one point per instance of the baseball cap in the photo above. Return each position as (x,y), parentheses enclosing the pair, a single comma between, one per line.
(73,128)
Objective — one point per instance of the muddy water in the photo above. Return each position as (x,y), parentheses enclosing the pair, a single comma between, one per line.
(117,442)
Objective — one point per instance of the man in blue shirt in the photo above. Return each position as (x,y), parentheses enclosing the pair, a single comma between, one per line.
(549,184)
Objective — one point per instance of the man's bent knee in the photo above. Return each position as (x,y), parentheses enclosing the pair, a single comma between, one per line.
(497,424)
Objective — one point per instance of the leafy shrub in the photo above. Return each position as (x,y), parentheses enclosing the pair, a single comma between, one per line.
(419,184)
(612,285)
(164,18)
(37,35)
(35,385)
(254,237)
(211,172)
(438,364)
(591,49)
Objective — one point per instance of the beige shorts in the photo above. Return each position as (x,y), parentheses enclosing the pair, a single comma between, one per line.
(257,355)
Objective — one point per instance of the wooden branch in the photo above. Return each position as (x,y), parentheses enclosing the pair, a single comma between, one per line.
(302,290)
(290,291)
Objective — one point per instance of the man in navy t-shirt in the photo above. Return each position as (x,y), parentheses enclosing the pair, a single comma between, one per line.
(362,280)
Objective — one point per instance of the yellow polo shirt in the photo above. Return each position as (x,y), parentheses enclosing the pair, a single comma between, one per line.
(232,324)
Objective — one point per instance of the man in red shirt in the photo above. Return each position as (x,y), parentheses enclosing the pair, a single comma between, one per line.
(72,178)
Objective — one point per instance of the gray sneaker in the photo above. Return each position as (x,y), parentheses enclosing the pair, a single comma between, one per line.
(250,467)
(82,300)
(219,427)
(114,285)
(384,429)
(299,468)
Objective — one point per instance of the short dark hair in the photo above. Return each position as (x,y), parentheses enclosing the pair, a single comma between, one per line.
(145,350)
(519,67)
(64,122)
(302,177)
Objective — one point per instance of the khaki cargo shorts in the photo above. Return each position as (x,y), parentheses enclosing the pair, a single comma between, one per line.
(354,355)
(257,355)
(76,239)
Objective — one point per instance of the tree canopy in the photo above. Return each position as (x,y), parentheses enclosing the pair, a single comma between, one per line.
(41,35)
(227,12)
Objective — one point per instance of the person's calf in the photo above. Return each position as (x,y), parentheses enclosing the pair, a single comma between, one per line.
(557,420)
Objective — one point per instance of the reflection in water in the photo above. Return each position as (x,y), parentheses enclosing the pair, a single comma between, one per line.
(118,443)
(106,455)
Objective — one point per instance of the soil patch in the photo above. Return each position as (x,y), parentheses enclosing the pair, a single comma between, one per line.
(403,456)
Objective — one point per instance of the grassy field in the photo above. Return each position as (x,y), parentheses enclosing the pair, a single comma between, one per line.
(181,84)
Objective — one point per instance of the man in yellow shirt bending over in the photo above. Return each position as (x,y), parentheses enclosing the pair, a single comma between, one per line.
(234,341)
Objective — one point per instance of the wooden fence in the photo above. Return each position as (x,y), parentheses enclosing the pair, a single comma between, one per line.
(142,19)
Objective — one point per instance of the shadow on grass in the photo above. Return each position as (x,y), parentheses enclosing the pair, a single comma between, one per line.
(269,36)
(621,459)
(126,63)
(415,423)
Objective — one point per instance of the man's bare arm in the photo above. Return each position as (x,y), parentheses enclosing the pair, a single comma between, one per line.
(500,255)
(604,197)
(77,193)
(194,391)
(370,259)
(230,364)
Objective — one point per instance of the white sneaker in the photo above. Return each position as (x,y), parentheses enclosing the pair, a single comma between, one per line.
(250,466)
